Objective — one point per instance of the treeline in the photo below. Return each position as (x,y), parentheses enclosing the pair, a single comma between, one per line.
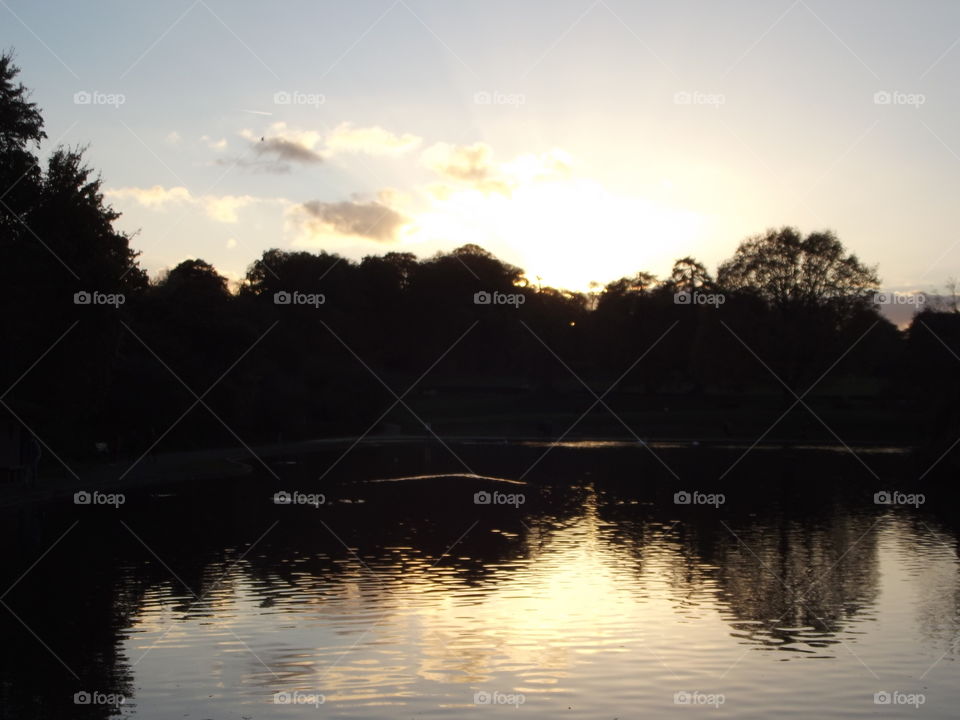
(315,344)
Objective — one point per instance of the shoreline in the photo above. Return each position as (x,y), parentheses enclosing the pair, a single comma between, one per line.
(225,463)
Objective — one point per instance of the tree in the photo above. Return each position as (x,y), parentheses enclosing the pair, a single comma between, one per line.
(20,120)
(788,270)
(928,384)
(689,275)
(20,126)
(56,239)
(816,298)
(280,270)
(195,281)
(74,221)
(20,179)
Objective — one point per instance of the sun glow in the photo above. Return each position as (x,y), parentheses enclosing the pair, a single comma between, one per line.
(541,211)
(566,232)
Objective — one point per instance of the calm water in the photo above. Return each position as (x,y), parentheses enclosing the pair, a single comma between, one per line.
(597,597)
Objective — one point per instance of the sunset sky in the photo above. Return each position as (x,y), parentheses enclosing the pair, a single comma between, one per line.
(582,140)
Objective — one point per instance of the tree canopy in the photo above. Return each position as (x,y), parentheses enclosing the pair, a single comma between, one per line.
(787,269)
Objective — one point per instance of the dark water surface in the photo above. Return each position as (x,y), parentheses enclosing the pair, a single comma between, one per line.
(585,591)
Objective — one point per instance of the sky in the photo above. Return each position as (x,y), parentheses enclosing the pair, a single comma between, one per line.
(581,140)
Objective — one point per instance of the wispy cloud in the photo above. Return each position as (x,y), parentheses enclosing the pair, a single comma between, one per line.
(218,145)
(370,140)
(474,166)
(221,208)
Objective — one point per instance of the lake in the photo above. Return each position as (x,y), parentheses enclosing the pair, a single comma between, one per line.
(591,580)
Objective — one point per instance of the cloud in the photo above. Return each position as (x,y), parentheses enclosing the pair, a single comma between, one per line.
(273,167)
(473,166)
(221,208)
(469,163)
(373,220)
(285,150)
(280,147)
(372,140)
(155,198)
(217,145)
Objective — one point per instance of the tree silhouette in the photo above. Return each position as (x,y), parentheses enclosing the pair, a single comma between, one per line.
(818,296)
(57,239)
(787,270)
(689,275)
(195,281)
